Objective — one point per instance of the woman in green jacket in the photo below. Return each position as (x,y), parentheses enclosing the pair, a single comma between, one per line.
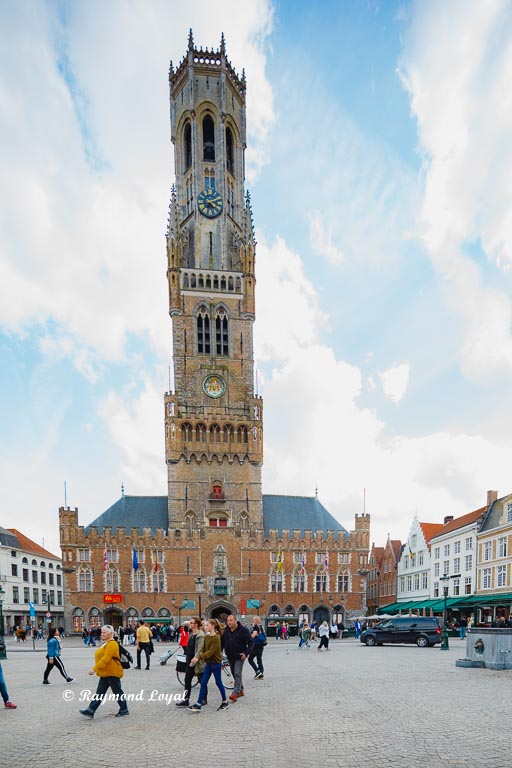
(212,655)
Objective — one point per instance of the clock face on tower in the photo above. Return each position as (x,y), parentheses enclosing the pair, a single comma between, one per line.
(209,203)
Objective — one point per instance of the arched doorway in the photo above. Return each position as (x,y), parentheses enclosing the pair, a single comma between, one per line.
(320,614)
(113,616)
(220,611)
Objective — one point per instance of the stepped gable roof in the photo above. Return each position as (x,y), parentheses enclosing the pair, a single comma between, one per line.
(289,513)
(460,522)
(8,539)
(134,512)
(28,545)
(429,530)
(377,553)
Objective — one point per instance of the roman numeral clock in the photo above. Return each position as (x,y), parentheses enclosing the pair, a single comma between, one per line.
(209,203)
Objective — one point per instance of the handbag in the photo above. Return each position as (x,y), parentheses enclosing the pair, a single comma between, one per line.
(261,638)
(181,663)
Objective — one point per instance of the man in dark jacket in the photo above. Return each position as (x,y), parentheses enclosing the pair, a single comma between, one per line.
(237,644)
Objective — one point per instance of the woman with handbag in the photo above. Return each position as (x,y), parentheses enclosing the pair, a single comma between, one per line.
(259,642)
(108,667)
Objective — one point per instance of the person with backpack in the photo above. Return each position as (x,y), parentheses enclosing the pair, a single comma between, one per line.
(259,639)
(107,666)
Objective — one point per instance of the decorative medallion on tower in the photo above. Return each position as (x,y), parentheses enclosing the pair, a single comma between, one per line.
(214,386)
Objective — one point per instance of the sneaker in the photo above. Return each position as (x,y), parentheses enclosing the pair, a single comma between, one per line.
(87,713)
(122,713)
(224,705)
(233,697)
(69,679)
(259,676)
(46,682)
(184,703)
(10,705)
(242,693)
(195,708)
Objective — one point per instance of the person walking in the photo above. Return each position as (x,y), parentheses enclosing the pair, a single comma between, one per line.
(323,634)
(143,640)
(53,657)
(304,637)
(463,625)
(211,654)
(183,637)
(3,691)
(192,651)
(259,640)
(107,665)
(237,644)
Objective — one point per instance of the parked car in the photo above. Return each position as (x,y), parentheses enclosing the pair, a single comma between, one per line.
(422,630)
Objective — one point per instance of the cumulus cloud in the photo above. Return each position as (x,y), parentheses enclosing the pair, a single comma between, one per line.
(394,381)
(462,102)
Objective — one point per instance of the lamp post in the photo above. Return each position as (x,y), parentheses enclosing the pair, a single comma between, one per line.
(3,652)
(199,589)
(445,646)
(178,608)
(363,573)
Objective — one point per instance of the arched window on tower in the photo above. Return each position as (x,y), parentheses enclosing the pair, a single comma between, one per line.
(221,332)
(208,139)
(187,146)
(230,164)
(203,331)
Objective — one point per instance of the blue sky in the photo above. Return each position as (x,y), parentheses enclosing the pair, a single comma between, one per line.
(379,165)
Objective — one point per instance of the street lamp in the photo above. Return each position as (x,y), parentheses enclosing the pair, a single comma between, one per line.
(363,573)
(3,652)
(199,589)
(444,636)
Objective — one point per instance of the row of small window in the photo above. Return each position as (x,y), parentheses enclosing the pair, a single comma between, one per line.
(42,564)
(468,544)
(343,557)
(201,432)
(385,588)
(299,583)
(156,555)
(37,576)
(414,559)
(412,582)
(455,587)
(468,565)
(35,596)
(497,574)
(208,137)
(141,582)
(501,549)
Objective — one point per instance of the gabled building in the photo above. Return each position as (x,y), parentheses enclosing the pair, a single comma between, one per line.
(494,563)
(414,565)
(29,574)
(387,588)
(453,553)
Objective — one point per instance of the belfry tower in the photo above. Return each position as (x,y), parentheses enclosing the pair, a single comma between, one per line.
(213,419)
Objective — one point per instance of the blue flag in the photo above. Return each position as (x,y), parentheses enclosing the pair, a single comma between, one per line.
(135,562)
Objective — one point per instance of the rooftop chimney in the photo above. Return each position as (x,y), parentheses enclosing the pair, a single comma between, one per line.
(448,519)
(491,496)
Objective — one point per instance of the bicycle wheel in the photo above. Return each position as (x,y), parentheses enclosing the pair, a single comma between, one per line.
(228,680)
(181,679)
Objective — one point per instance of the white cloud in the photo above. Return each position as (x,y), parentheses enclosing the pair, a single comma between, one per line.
(321,236)
(462,101)
(394,381)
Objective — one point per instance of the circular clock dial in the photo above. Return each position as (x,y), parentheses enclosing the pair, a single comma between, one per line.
(209,203)
(214,386)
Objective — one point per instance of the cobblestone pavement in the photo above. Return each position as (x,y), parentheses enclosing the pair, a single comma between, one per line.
(352,707)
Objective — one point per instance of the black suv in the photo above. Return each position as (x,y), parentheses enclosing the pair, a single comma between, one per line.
(422,630)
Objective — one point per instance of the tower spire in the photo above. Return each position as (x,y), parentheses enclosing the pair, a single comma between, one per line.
(223,44)
(190,40)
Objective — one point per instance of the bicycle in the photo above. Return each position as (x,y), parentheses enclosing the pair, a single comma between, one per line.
(227,676)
